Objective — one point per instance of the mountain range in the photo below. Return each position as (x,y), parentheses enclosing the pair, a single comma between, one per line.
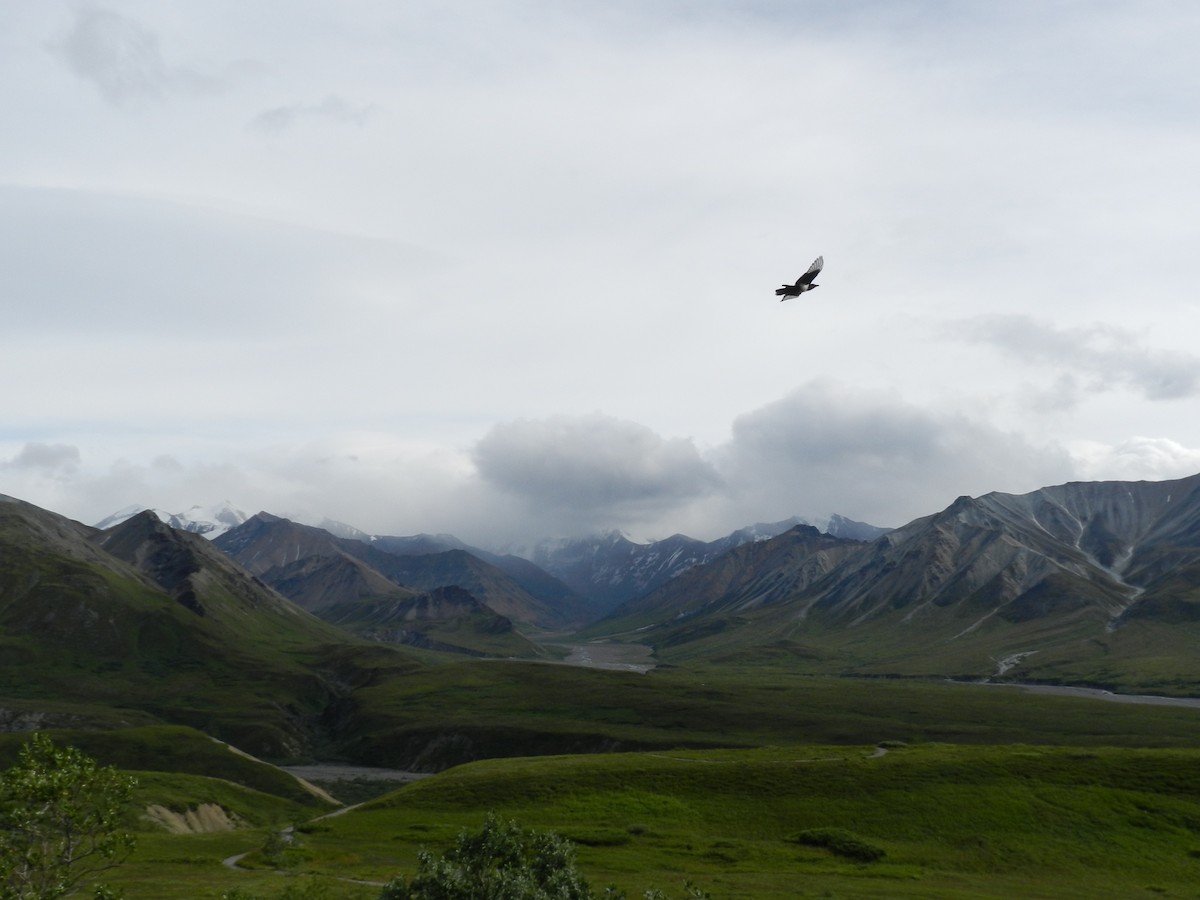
(333,576)
(1084,582)
(363,585)
(1094,583)
(610,569)
(591,574)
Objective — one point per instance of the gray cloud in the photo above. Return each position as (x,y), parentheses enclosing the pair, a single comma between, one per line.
(120,57)
(869,455)
(48,458)
(332,108)
(1088,359)
(823,448)
(592,465)
(125,62)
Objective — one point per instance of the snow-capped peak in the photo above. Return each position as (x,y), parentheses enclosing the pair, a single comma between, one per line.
(208,521)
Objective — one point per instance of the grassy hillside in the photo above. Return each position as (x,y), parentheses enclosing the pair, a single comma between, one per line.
(177,751)
(1144,655)
(801,810)
(174,860)
(932,821)
(450,714)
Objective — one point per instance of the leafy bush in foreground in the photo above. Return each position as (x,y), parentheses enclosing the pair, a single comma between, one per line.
(59,814)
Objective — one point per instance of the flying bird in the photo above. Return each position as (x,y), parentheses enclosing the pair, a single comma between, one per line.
(803,283)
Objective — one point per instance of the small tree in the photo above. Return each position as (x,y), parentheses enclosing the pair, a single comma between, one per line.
(59,815)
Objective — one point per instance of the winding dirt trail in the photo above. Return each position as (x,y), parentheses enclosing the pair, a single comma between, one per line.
(334,773)
(233,862)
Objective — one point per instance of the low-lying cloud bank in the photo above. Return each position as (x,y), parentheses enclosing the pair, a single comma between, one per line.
(822,448)
(592,467)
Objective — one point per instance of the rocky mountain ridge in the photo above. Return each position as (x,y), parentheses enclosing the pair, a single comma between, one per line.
(363,587)
(588,575)
(751,575)
(1074,577)
(612,570)
(1110,543)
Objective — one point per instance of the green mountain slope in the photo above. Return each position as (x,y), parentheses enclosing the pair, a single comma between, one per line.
(1094,583)
(446,618)
(165,625)
(319,570)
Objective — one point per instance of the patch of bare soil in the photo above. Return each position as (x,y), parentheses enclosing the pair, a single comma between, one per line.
(204,819)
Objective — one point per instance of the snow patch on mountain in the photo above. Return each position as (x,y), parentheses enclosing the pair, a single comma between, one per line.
(208,521)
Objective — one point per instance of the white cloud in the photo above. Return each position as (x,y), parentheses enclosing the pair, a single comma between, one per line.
(821,449)
(331,108)
(604,197)
(1136,459)
(1093,358)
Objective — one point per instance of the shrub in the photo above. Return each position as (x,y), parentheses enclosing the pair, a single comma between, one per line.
(505,862)
(501,862)
(839,842)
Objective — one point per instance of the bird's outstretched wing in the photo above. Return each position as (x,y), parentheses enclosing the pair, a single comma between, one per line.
(813,271)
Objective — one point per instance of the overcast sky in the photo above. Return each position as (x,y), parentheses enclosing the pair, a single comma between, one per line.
(505,268)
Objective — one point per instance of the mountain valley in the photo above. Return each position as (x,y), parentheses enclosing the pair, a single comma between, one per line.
(768,651)
(1080,583)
